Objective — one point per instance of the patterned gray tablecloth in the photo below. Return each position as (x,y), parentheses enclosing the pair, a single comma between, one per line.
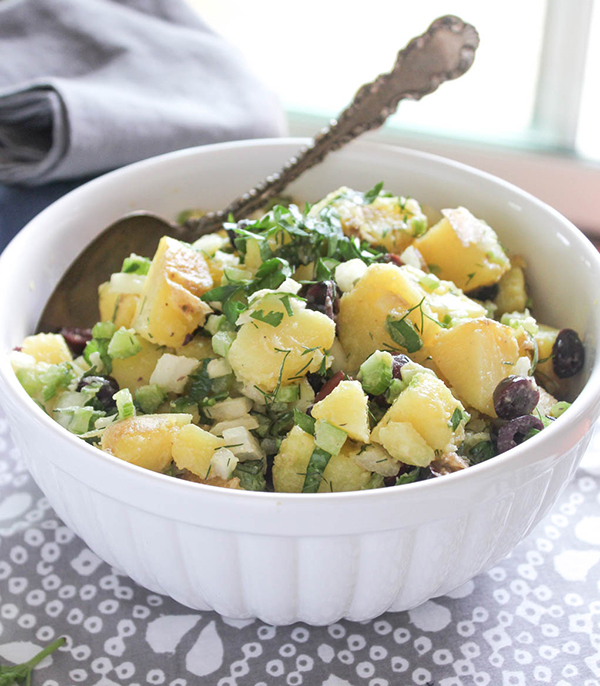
(532,619)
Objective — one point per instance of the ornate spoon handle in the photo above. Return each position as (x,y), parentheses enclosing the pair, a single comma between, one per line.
(445,51)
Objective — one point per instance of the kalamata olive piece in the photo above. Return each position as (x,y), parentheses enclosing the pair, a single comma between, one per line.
(514,432)
(484,292)
(108,387)
(330,385)
(323,297)
(76,338)
(316,381)
(391,258)
(398,361)
(515,396)
(568,354)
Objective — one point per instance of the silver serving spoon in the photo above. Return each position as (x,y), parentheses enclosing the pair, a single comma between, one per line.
(445,51)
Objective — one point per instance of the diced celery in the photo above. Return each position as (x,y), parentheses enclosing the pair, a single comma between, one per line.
(429,282)
(55,377)
(80,421)
(376,372)
(149,398)
(221,342)
(135,264)
(214,323)
(125,406)
(558,408)
(123,344)
(396,387)
(103,330)
(29,379)
(287,394)
(376,481)
(329,437)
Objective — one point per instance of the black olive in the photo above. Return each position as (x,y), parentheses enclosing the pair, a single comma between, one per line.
(330,385)
(76,338)
(568,354)
(484,292)
(515,431)
(104,396)
(398,361)
(323,297)
(316,381)
(515,396)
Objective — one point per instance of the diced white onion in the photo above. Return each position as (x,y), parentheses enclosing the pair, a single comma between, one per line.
(348,273)
(222,463)
(172,371)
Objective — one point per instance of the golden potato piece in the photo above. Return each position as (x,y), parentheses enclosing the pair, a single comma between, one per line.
(193,449)
(429,406)
(170,307)
(347,408)
(474,356)
(259,354)
(47,347)
(463,249)
(404,443)
(146,441)
(119,308)
(135,371)
(384,290)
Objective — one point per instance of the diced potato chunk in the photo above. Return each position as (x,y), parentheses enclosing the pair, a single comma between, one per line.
(290,465)
(147,440)
(170,307)
(374,458)
(47,347)
(429,406)
(135,371)
(346,407)
(193,449)
(390,222)
(259,354)
(463,249)
(404,443)
(512,295)
(474,357)
(116,307)
(384,290)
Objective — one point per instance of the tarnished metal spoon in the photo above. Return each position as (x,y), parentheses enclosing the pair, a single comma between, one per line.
(445,51)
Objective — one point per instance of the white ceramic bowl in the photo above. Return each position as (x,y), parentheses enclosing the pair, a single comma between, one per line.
(289,557)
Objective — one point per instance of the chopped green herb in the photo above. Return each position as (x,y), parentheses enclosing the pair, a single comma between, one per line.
(272,318)
(305,422)
(314,471)
(402,331)
(408,477)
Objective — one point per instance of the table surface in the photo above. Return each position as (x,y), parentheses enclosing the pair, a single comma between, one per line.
(534,618)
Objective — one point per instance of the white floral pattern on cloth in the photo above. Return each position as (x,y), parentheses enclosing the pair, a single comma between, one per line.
(532,619)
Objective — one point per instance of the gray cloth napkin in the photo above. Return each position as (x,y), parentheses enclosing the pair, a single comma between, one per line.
(90,86)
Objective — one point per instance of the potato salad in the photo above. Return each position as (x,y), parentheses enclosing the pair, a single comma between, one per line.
(360,342)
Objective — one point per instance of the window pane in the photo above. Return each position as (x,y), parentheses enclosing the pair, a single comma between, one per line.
(588,138)
(316,57)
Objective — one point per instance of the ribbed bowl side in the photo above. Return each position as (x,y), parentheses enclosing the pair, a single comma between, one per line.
(315,579)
